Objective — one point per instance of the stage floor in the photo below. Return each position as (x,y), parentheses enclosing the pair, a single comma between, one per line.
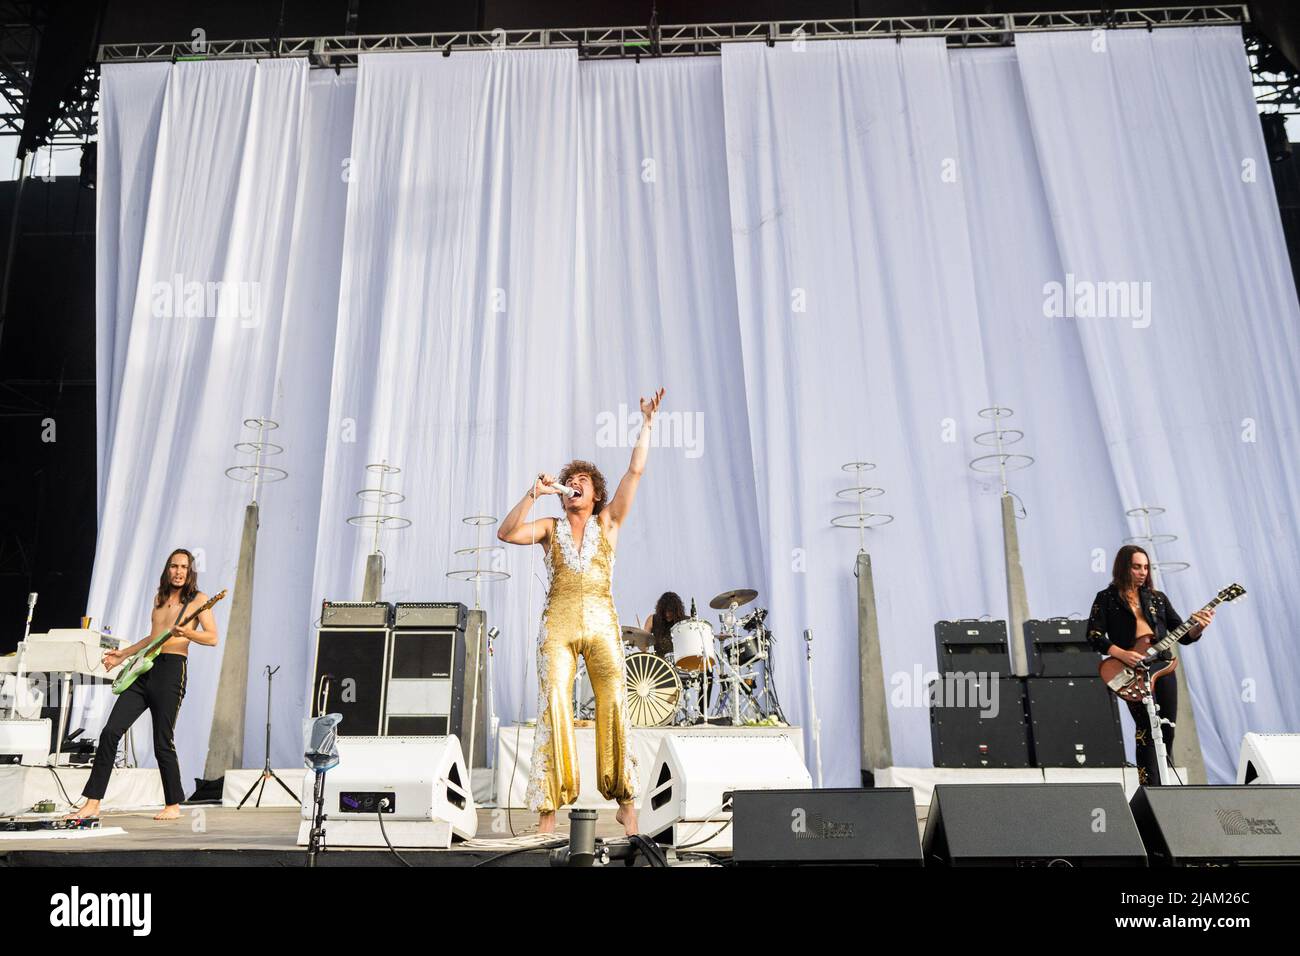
(221,836)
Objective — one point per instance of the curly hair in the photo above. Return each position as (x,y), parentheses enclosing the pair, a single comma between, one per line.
(580,467)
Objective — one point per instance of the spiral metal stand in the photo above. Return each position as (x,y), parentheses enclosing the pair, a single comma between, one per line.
(479,575)
(379,520)
(226,736)
(999,462)
(873,710)
(257,472)
(1152,542)
(482,643)
(862,519)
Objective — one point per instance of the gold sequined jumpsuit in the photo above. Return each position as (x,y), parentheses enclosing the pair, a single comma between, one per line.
(579,618)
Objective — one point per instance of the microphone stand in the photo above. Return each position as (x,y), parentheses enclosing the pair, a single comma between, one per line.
(267,772)
(22,652)
(812,707)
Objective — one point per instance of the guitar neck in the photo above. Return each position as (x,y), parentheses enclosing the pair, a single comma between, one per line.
(1174,636)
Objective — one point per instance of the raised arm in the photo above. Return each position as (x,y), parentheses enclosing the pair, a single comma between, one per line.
(515,528)
(621,503)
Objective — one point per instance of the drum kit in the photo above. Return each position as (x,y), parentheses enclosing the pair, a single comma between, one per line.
(711,676)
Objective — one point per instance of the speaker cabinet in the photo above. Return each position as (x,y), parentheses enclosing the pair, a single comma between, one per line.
(972,647)
(1033,824)
(864,827)
(979,722)
(1074,722)
(349,677)
(426,683)
(1059,648)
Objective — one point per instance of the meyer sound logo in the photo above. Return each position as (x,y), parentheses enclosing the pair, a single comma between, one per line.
(1236,823)
(814,826)
(103,909)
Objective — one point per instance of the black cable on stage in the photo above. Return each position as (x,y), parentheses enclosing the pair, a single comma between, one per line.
(553,845)
(67,799)
(384,834)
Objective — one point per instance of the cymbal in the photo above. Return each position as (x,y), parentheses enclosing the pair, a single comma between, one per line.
(641,632)
(738,597)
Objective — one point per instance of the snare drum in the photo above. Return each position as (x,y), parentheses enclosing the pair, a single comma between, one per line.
(693,645)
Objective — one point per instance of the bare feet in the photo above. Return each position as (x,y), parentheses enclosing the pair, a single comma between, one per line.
(627,816)
(170,812)
(87,811)
(546,822)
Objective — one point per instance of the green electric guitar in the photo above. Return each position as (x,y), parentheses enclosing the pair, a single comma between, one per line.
(142,660)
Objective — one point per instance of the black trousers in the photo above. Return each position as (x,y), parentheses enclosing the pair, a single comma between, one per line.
(1167,705)
(159,691)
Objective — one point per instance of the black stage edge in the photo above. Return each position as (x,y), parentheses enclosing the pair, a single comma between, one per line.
(909,905)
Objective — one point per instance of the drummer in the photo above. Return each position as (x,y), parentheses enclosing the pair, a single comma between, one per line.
(669,609)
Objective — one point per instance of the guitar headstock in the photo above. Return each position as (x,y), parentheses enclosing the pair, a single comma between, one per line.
(214,599)
(1232,592)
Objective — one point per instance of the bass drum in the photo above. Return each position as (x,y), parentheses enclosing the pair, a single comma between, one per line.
(654,691)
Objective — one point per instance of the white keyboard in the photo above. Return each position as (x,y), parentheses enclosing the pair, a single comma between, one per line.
(62,651)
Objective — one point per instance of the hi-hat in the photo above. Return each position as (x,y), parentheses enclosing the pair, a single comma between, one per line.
(738,597)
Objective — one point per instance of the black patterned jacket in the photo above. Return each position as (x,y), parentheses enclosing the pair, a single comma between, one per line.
(1112,621)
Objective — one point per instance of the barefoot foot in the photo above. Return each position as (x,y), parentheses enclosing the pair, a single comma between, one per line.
(87,811)
(170,812)
(627,816)
(546,822)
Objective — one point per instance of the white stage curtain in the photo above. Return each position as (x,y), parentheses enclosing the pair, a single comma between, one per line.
(1157,174)
(223,325)
(830,254)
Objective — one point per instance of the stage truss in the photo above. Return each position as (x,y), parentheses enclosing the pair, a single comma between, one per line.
(691,39)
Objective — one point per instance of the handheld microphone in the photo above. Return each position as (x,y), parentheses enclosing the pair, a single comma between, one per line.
(563,489)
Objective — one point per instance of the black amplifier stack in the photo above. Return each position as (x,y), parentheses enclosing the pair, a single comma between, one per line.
(982,715)
(391,670)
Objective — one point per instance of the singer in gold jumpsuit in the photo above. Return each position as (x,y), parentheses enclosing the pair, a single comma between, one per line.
(579,618)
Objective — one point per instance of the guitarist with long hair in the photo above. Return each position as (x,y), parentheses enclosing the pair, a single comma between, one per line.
(160,690)
(1121,614)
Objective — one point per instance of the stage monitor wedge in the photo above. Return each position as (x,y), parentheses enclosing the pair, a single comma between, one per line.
(1031,824)
(419,784)
(871,827)
(1219,825)
(686,797)
(1269,758)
